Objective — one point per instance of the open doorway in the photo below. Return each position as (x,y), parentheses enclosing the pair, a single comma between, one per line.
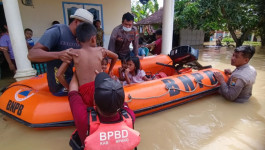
(4,68)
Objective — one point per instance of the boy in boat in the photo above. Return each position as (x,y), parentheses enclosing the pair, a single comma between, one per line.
(87,61)
(110,123)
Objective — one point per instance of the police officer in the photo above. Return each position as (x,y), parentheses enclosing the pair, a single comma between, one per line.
(239,85)
(122,36)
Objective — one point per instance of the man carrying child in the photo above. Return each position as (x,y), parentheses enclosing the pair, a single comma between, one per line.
(87,61)
(53,48)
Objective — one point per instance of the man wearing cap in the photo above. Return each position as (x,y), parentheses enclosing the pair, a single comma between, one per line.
(122,36)
(53,48)
(239,85)
(109,99)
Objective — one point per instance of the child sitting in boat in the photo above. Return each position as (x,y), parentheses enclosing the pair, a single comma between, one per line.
(133,73)
(104,64)
(87,61)
(122,69)
(111,119)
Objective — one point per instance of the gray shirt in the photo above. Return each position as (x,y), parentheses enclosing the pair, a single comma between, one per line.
(239,85)
(58,38)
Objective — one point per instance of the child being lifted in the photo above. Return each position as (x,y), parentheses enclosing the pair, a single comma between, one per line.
(87,62)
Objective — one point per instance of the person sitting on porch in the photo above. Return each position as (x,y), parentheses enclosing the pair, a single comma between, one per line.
(156,46)
(142,51)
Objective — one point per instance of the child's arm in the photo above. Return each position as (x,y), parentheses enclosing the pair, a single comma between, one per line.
(121,77)
(150,45)
(144,76)
(127,79)
(60,74)
(73,84)
(146,79)
(12,67)
(113,58)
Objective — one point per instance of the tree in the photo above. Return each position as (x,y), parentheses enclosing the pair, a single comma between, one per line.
(260,5)
(236,15)
(188,15)
(261,32)
(141,11)
(232,15)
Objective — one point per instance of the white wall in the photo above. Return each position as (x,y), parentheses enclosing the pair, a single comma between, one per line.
(40,16)
(191,37)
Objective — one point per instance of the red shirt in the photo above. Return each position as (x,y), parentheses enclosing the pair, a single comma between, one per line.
(79,111)
(158,47)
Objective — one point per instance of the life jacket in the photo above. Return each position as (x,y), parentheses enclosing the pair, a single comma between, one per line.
(109,136)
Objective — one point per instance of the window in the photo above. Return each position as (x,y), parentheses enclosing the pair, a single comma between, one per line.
(69,8)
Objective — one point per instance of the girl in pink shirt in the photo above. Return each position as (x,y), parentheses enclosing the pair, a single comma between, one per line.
(133,73)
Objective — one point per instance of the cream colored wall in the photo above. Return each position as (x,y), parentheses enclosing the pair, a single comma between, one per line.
(40,17)
(113,11)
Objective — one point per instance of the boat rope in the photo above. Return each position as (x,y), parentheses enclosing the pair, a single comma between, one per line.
(168,90)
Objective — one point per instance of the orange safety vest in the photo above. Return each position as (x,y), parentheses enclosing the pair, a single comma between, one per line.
(110,136)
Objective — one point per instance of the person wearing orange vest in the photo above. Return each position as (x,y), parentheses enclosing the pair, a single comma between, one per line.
(108,125)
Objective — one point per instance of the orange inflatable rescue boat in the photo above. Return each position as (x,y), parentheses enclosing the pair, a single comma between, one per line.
(30,102)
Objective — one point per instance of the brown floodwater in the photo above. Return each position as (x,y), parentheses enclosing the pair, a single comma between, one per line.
(208,123)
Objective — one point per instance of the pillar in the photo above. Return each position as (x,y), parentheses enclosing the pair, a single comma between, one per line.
(167,30)
(17,37)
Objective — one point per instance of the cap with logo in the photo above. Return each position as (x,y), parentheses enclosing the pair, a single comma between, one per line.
(109,94)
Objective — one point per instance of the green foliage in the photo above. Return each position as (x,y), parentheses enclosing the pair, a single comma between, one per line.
(252,43)
(234,14)
(186,15)
(261,32)
(231,15)
(189,14)
(141,11)
(260,9)
(227,39)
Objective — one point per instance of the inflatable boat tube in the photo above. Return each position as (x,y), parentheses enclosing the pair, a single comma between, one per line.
(30,102)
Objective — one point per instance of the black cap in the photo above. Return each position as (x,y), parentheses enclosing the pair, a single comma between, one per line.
(247,50)
(109,94)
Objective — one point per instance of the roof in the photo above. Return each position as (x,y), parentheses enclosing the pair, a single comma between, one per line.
(155,18)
